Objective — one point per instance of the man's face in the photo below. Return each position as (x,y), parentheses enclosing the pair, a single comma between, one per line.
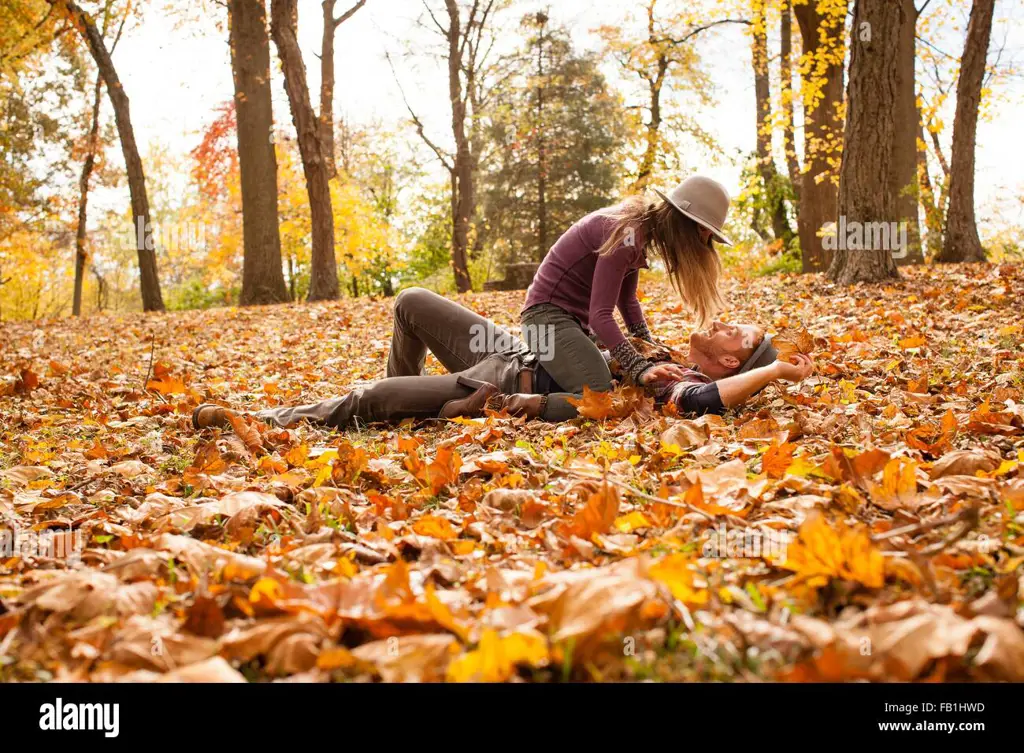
(723,347)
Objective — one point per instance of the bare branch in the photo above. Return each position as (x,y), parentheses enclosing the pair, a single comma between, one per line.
(694,32)
(348,14)
(444,158)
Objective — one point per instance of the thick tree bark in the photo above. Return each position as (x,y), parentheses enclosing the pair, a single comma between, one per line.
(786,87)
(763,111)
(903,169)
(326,123)
(152,300)
(323,281)
(464,198)
(865,195)
(262,276)
(962,242)
(823,128)
(83,198)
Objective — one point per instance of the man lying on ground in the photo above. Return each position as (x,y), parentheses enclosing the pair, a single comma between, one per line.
(491,368)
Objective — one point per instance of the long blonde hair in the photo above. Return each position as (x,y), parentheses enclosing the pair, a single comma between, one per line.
(693,265)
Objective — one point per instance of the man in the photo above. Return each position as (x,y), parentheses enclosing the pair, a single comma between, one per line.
(490,367)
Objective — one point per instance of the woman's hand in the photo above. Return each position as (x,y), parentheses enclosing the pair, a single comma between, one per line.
(664,372)
(795,371)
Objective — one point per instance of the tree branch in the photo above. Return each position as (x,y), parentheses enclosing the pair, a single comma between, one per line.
(348,14)
(445,159)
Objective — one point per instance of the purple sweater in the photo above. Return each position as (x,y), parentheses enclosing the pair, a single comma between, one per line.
(578,281)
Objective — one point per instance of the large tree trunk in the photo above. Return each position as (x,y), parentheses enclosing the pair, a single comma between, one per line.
(823,127)
(323,281)
(765,161)
(262,276)
(152,300)
(786,87)
(962,242)
(326,123)
(865,195)
(83,198)
(903,169)
(464,200)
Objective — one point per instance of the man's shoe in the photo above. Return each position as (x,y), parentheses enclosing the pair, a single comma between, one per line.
(209,415)
(472,405)
(519,404)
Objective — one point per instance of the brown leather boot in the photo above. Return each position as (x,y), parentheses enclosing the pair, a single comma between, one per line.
(208,415)
(520,404)
(471,405)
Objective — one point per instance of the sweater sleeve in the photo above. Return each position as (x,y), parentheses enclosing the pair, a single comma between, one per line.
(629,307)
(610,273)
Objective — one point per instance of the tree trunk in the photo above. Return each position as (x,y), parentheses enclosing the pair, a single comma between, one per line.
(542,208)
(962,242)
(822,128)
(326,123)
(763,111)
(464,200)
(323,279)
(933,198)
(327,88)
(83,198)
(152,300)
(865,195)
(262,276)
(786,87)
(903,168)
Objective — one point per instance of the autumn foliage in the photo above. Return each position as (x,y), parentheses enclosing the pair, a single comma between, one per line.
(876,504)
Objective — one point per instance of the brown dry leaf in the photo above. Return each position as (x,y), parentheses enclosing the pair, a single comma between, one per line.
(411,658)
(289,644)
(589,606)
(685,435)
(214,669)
(599,513)
(902,641)
(898,489)
(791,342)
(246,429)
(964,463)
(777,459)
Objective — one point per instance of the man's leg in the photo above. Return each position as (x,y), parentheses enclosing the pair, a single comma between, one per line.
(458,337)
(397,398)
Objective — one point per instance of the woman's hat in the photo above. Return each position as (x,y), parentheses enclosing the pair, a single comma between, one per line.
(704,201)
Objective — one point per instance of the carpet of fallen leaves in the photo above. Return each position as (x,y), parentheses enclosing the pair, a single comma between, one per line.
(865,524)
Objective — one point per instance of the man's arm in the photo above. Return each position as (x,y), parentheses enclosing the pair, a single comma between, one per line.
(736,389)
(718,396)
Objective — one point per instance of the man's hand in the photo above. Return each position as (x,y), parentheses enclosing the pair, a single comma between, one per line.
(796,371)
(664,372)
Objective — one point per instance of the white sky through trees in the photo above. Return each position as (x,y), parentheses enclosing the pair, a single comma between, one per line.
(177,75)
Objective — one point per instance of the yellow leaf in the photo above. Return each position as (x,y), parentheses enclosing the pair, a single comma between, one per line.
(496,658)
(433,525)
(822,553)
(631,522)
(675,571)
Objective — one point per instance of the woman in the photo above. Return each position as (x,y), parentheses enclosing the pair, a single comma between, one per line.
(593,269)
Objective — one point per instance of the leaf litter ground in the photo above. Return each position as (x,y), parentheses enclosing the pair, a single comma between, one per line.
(865,524)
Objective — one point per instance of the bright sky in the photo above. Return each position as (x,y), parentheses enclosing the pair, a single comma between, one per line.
(175,77)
